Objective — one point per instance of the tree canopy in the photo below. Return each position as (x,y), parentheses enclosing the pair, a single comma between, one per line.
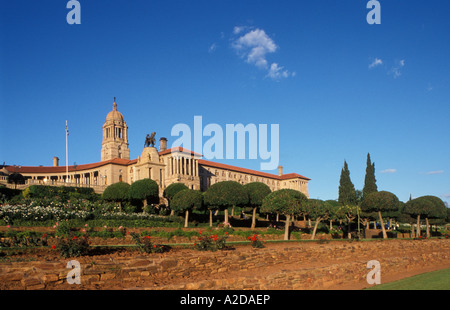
(225,194)
(318,210)
(256,192)
(145,189)
(284,201)
(118,192)
(379,202)
(173,189)
(186,200)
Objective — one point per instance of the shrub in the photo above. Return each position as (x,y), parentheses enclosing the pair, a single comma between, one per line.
(145,245)
(73,246)
(23,239)
(210,242)
(255,241)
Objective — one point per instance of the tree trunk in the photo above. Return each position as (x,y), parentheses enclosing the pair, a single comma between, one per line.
(315,228)
(144,202)
(226,216)
(186,218)
(382,225)
(232,211)
(309,223)
(331,225)
(278,217)
(418,227)
(349,235)
(428,227)
(254,218)
(412,230)
(286,227)
(210,218)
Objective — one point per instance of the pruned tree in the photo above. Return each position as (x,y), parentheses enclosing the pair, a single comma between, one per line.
(187,200)
(144,190)
(428,207)
(287,202)
(256,191)
(318,210)
(224,195)
(347,213)
(172,190)
(117,192)
(380,202)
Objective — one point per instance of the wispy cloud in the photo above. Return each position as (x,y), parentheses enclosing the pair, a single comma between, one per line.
(254,45)
(434,172)
(376,62)
(396,71)
(446,195)
(389,170)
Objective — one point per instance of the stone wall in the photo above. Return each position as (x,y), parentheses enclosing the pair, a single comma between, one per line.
(286,266)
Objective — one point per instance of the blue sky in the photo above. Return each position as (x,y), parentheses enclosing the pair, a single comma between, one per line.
(338,87)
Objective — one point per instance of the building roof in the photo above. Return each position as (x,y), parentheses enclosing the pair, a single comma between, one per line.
(61,169)
(253,172)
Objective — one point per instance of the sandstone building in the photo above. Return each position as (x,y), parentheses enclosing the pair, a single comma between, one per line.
(165,166)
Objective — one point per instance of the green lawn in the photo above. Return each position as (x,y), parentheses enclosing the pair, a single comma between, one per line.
(436,280)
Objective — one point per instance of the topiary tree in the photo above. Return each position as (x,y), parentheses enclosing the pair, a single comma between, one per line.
(429,207)
(256,191)
(380,202)
(348,213)
(172,190)
(284,201)
(117,192)
(224,195)
(145,189)
(185,201)
(318,210)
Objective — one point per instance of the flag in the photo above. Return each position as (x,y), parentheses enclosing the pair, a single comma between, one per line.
(67,129)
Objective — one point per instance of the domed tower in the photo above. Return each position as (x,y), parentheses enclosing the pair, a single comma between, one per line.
(115,136)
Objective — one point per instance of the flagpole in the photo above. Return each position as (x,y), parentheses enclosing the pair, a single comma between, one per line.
(67,154)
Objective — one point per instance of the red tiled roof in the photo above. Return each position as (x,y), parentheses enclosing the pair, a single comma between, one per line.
(249,171)
(127,162)
(179,149)
(60,169)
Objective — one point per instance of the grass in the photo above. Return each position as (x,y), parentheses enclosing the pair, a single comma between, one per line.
(436,280)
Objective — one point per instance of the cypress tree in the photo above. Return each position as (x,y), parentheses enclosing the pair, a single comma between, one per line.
(370,185)
(347,192)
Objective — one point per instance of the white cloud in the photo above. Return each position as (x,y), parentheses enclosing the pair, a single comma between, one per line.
(238,29)
(376,62)
(434,172)
(254,46)
(212,48)
(389,171)
(276,72)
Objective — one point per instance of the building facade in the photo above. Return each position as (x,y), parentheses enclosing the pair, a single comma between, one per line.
(165,166)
